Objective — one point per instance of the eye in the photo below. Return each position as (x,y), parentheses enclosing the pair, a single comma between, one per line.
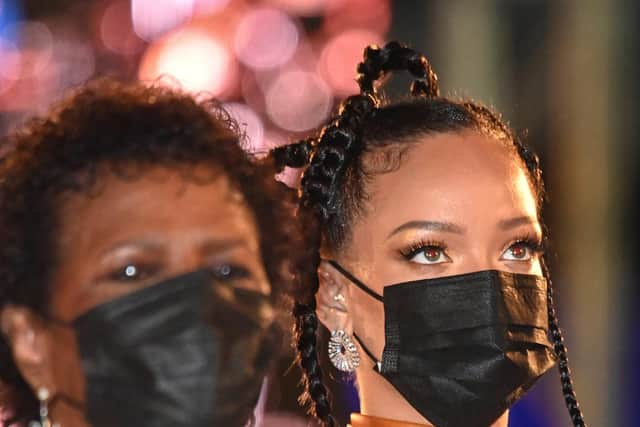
(521,251)
(230,272)
(429,254)
(133,272)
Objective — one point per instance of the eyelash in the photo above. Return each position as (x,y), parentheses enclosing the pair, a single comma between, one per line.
(140,271)
(230,272)
(532,243)
(143,271)
(421,245)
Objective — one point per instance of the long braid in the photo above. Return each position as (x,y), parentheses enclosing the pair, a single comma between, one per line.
(338,144)
(328,158)
(306,324)
(532,163)
(560,349)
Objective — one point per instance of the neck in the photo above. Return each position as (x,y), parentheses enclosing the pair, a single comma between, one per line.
(66,415)
(378,398)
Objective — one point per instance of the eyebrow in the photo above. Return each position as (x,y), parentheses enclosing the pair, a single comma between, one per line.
(208,246)
(507,224)
(447,227)
(223,245)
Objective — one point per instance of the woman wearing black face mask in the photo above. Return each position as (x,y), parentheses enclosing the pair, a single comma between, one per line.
(426,246)
(141,255)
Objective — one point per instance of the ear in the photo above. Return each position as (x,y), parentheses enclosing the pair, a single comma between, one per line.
(332,299)
(27,338)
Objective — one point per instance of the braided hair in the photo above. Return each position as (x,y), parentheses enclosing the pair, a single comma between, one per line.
(332,191)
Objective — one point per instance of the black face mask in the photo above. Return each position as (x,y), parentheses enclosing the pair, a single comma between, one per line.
(190,351)
(462,349)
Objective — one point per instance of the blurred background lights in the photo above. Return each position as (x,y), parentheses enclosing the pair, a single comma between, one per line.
(266,38)
(298,100)
(197,60)
(339,56)
(75,60)
(153,18)
(9,60)
(374,15)
(251,125)
(36,46)
(9,13)
(301,7)
(210,6)
(116,29)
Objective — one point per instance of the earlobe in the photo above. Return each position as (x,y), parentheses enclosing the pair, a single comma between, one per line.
(331,299)
(24,334)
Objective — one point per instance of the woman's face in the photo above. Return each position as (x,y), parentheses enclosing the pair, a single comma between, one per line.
(458,203)
(132,234)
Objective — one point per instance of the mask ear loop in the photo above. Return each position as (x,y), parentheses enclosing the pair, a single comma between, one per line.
(371,293)
(355,281)
(378,365)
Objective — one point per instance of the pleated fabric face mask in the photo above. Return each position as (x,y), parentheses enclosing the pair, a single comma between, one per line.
(190,351)
(462,349)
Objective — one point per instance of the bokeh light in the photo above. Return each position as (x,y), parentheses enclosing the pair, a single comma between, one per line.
(74,59)
(35,44)
(116,29)
(10,12)
(298,100)
(195,58)
(207,7)
(266,38)
(303,7)
(339,58)
(10,60)
(374,15)
(153,18)
(251,126)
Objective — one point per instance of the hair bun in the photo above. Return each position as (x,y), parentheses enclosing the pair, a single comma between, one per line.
(395,56)
(295,155)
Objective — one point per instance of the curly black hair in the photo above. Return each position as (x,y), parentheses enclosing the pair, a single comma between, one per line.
(118,125)
(339,165)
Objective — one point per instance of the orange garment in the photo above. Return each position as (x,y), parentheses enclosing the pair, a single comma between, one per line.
(359,420)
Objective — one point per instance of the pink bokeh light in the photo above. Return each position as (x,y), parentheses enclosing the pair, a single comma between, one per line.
(298,100)
(194,58)
(340,57)
(266,38)
(10,58)
(305,7)
(34,50)
(116,29)
(153,18)
(373,15)
(208,7)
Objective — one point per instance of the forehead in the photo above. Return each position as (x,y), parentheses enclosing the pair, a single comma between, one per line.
(457,177)
(157,201)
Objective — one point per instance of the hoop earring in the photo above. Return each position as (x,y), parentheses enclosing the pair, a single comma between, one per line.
(343,353)
(43,397)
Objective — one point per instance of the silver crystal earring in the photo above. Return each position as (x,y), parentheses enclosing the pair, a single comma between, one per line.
(343,353)
(43,397)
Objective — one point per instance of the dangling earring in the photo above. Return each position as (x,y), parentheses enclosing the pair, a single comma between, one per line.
(343,353)
(43,397)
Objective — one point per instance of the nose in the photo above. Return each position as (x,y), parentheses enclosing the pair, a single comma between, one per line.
(479,259)
(185,257)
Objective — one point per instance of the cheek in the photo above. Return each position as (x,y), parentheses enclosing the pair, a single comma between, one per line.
(368,323)
(64,366)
